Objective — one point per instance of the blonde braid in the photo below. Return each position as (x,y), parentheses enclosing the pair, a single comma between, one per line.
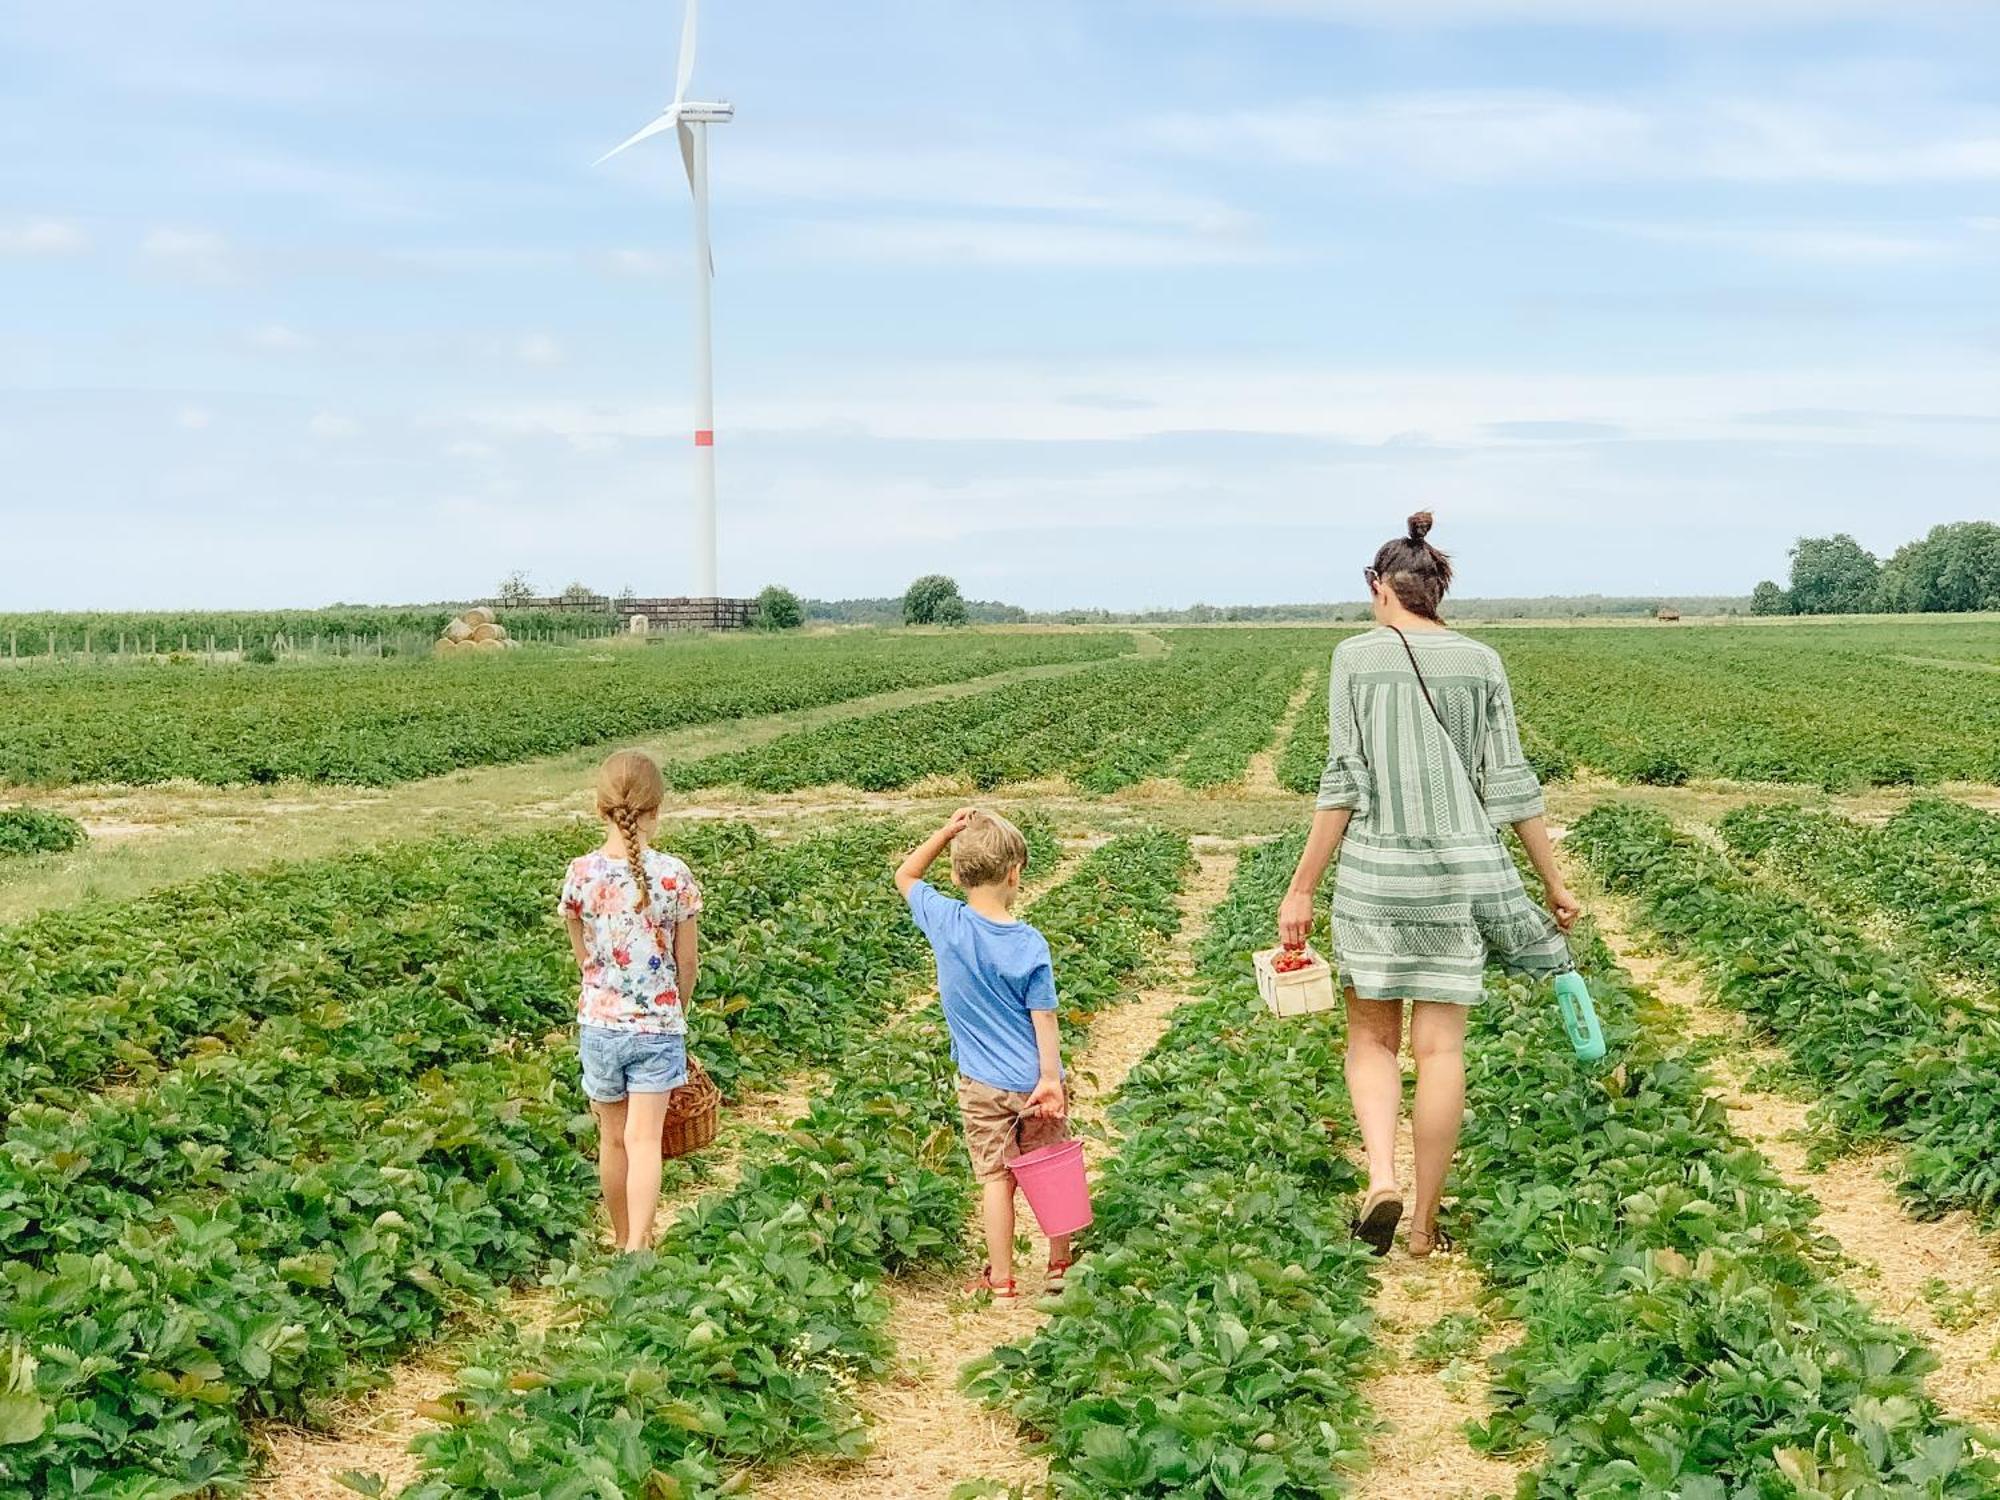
(627,820)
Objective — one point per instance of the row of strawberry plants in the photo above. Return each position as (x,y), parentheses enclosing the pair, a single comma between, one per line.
(738,1342)
(115,993)
(380,723)
(1215,1340)
(1934,868)
(1683,1328)
(1304,756)
(249,1234)
(1105,728)
(1223,750)
(1892,1057)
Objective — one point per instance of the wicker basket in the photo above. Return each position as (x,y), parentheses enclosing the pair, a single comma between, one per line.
(694,1111)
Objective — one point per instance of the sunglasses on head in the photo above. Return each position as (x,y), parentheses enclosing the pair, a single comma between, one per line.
(1370,577)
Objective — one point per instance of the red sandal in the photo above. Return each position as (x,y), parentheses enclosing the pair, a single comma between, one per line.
(1054,1277)
(1002,1291)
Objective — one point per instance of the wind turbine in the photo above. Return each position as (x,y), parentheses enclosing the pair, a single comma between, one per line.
(690,119)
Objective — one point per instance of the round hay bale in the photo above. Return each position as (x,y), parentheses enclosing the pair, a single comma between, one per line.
(478,617)
(444,647)
(489,644)
(511,644)
(488,633)
(457,631)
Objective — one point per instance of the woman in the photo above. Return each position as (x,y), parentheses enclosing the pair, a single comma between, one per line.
(1425,767)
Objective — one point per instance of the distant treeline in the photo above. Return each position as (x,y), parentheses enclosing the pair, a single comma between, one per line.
(890,612)
(1954,570)
(1555,607)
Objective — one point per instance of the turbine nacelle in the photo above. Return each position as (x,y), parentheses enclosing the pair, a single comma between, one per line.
(706,114)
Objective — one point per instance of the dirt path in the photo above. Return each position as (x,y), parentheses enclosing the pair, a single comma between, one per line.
(1939,1279)
(1260,779)
(928,1436)
(1422,1453)
(372,1433)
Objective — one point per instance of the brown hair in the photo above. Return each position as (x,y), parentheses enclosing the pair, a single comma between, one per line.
(629,787)
(1415,571)
(989,847)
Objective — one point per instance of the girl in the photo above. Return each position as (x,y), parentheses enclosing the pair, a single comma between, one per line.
(1425,766)
(632,917)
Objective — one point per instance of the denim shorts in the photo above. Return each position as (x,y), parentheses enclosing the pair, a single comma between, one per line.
(617,1063)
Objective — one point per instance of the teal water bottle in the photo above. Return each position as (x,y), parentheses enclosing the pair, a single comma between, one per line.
(1579,1015)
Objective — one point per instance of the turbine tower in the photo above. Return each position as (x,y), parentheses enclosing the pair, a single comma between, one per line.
(690,119)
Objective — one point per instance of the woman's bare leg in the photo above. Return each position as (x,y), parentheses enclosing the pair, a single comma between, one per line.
(1437,1038)
(1375,1081)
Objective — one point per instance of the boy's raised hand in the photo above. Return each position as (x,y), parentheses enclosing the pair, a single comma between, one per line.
(1048,1101)
(956,823)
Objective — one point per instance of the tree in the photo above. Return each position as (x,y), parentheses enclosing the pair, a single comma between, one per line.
(1768,599)
(576,592)
(1833,575)
(1957,567)
(934,600)
(779,609)
(515,588)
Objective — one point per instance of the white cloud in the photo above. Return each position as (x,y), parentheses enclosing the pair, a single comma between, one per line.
(43,238)
(538,349)
(1475,135)
(1615,14)
(1014,243)
(328,424)
(193,418)
(197,254)
(1831,244)
(642,262)
(278,338)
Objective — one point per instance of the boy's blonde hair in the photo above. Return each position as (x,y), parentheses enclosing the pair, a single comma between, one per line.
(989,847)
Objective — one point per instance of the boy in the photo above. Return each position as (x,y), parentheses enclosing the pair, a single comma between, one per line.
(999,993)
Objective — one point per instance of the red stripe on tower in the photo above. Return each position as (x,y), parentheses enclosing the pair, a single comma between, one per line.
(704,437)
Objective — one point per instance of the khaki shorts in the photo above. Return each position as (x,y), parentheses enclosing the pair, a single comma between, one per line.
(997,1130)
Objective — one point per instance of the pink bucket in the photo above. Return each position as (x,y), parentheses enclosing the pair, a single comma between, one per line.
(1052,1177)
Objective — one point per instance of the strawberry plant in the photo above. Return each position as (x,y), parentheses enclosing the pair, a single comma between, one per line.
(1893,1058)
(1684,1328)
(35,830)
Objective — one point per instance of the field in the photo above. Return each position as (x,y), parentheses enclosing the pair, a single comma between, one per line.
(297,1183)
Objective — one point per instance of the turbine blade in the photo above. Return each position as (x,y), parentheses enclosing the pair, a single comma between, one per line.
(694,191)
(665,122)
(687,51)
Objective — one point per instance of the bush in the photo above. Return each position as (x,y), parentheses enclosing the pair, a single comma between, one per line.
(779,609)
(934,599)
(261,654)
(1660,769)
(31,830)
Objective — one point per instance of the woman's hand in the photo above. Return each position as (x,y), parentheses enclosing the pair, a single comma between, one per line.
(1295,919)
(1564,907)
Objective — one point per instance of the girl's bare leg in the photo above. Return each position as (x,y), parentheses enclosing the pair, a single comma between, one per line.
(611,1169)
(1375,1081)
(1437,1037)
(645,1114)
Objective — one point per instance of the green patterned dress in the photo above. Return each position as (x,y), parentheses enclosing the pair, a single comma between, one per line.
(1426,893)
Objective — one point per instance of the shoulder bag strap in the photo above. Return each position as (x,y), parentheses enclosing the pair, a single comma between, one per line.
(1456,754)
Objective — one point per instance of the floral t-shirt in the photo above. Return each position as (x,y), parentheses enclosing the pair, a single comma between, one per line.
(629,983)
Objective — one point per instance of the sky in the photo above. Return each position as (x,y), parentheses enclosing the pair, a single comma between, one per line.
(1122,303)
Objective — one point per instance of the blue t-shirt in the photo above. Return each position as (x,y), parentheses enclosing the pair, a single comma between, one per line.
(990,975)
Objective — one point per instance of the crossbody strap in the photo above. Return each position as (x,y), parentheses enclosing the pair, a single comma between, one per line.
(1411,652)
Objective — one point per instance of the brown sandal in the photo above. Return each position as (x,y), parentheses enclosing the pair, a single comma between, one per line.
(1376,1225)
(1425,1243)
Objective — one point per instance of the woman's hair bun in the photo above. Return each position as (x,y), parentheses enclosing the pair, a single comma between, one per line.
(1420,525)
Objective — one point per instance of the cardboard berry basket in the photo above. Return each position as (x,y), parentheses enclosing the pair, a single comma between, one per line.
(1298,992)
